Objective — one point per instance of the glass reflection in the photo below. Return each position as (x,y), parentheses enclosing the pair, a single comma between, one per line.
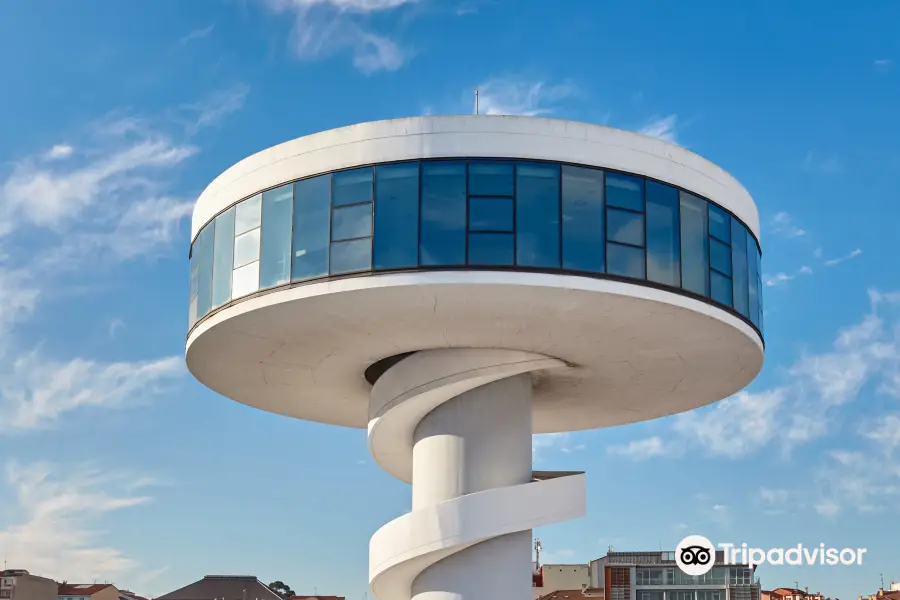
(663,243)
(719,224)
(720,256)
(720,287)
(223,259)
(350,187)
(396,216)
(625,227)
(537,215)
(740,272)
(625,191)
(443,213)
(248,214)
(275,251)
(694,244)
(582,214)
(355,255)
(245,280)
(490,214)
(490,178)
(625,261)
(246,248)
(312,199)
(351,222)
(490,249)
(204,249)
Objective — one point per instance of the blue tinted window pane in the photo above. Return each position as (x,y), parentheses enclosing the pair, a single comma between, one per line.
(195,273)
(624,191)
(720,256)
(204,249)
(582,225)
(739,267)
(537,215)
(626,261)
(759,294)
(624,227)
(312,200)
(223,259)
(490,214)
(443,213)
(720,287)
(753,280)
(353,186)
(247,214)
(351,222)
(719,223)
(275,252)
(396,215)
(355,255)
(490,178)
(694,245)
(663,236)
(490,249)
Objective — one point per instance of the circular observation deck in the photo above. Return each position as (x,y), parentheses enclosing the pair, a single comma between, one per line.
(632,261)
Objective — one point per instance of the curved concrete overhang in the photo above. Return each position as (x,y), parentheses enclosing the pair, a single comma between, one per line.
(631,352)
(480,136)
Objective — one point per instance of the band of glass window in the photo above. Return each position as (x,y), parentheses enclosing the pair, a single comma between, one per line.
(730,575)
(479,213)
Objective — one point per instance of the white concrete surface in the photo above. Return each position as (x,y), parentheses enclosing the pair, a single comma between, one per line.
(468,535)
(631,352)
(475,136)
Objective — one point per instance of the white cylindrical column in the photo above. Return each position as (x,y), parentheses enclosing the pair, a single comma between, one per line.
(477,441)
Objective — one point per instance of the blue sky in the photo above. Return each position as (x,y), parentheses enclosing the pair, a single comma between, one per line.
(118,466)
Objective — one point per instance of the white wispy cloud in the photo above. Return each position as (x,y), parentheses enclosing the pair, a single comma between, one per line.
(216,107)
(323,28)
(36,391)
(110,201)
(883,64)
(514,95)
(803,408)
(836,261)
(196,34)
(545,443)
(782,224)
(57,534)
(58,152)
(776,279)
(664,128)
(640,449)
(825,165)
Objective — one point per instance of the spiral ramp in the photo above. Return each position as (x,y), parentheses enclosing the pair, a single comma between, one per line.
(456,423)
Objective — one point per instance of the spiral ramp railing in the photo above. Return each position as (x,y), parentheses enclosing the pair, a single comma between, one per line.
(450,518)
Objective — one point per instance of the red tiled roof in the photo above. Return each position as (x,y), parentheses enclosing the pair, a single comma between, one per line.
(81,589)
(586,594)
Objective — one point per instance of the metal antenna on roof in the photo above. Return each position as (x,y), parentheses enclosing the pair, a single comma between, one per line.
(476,101)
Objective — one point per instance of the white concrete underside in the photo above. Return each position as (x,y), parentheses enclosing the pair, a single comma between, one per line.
(474,136)
(462,419)
(632,352)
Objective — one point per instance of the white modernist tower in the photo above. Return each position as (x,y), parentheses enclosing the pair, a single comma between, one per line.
(456,284)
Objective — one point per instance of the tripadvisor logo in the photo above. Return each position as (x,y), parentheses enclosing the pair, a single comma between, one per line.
(696,555)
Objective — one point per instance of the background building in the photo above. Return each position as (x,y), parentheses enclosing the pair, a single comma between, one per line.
(87,591)
(552,578)
(19,584)
(655,576)
(223,587)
